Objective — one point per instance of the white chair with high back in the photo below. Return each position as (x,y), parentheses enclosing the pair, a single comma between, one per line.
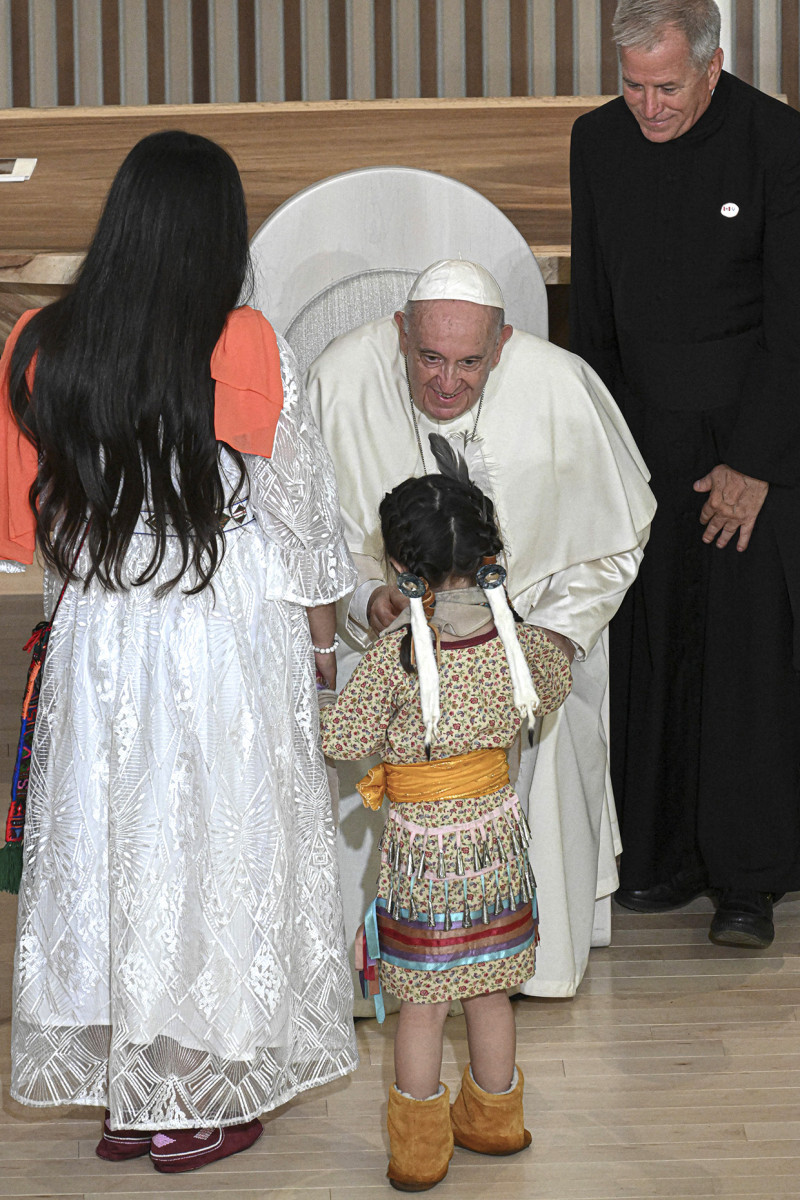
(335,256)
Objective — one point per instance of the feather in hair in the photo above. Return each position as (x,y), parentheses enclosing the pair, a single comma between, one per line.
(448,460)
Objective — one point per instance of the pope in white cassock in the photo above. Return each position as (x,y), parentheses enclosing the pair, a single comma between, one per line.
(542,435)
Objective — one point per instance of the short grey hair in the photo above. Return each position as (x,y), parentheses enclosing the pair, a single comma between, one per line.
(409,311)
(641,24)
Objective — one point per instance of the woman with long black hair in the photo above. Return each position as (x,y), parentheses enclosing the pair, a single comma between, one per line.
(180,954)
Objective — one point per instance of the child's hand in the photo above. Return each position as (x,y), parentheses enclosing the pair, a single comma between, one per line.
(326,670)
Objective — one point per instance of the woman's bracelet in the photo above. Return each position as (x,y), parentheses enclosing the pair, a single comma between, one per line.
(327,649)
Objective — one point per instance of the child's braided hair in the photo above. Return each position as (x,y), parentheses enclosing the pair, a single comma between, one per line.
(437,526)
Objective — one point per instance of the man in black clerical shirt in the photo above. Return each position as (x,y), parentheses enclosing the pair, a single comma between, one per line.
(685,274)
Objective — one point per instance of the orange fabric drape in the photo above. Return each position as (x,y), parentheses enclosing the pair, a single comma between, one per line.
(246,368)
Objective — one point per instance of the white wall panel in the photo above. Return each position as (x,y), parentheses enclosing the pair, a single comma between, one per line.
(133,52)
(543,39)
(224,51)
(178,51)
(269,49)
(450,49)
(316,68)
(42,24)
(587,48)
(88,52)
(496,48)
(360,49)
(6,94)
(405,53)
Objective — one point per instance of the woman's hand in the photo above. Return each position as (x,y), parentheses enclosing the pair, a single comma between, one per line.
(322,623)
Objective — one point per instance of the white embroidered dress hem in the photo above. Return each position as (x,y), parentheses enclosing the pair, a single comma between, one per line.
(181,954)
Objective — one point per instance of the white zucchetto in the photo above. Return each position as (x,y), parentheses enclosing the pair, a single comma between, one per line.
(453,279)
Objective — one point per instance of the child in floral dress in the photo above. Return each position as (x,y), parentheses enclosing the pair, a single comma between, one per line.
(455,915)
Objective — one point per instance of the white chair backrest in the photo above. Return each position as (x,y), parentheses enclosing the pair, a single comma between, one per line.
(345,251)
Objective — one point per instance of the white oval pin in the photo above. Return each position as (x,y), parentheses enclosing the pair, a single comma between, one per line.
(729,210)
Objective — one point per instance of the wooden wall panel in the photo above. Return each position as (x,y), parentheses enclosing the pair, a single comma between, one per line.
(110,35)
(66,52)
(513,151)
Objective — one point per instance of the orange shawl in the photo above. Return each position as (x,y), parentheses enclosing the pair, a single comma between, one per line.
(248,401)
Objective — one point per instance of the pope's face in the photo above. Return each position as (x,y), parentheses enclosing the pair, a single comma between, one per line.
(450,348)
(663,89)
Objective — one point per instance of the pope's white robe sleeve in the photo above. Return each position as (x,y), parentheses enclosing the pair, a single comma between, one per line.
(579,601)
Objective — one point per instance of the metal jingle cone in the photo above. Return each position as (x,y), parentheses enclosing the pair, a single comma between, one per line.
(512,899)
(412,908)
(423,862)
(459,862)
(498,896)
(410,863)
(524,826)
(467,921)
(484,905)
(390,900)
(526,892)
(514,837)
(531,877)
(476,858)
(441,870)
(431,917)
(448,916)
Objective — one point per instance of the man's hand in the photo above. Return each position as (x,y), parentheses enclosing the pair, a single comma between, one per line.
(385,604)
(734,502)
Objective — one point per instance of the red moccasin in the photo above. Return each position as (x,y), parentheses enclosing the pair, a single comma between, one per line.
(188,1149)
(116,1145)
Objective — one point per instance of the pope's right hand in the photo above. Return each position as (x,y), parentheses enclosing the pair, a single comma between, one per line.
(385,605)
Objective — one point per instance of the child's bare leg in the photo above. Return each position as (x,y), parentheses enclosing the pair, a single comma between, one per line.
(492,1038)
(418,1048)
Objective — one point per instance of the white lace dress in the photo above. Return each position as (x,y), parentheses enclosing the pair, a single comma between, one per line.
(181,954)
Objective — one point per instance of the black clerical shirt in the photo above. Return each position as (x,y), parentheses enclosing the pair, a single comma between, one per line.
(686,267)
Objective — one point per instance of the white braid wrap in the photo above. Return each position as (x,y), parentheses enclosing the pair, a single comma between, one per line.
(525,695)
(427,670)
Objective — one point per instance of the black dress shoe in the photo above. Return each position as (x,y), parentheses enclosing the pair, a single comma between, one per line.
(680,890)
(743,918)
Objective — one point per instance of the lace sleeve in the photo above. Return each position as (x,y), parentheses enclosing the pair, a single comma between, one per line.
(296,503)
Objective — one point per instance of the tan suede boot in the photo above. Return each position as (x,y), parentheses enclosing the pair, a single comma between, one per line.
(421,1140)
(489,1123)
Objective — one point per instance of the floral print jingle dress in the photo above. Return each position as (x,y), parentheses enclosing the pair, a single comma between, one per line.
(456,904)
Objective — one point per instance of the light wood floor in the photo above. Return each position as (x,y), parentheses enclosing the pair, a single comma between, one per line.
(675,1073)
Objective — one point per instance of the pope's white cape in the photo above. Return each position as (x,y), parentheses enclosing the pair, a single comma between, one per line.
(574,509)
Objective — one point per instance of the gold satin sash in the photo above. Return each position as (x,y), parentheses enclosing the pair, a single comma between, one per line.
(478,773)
